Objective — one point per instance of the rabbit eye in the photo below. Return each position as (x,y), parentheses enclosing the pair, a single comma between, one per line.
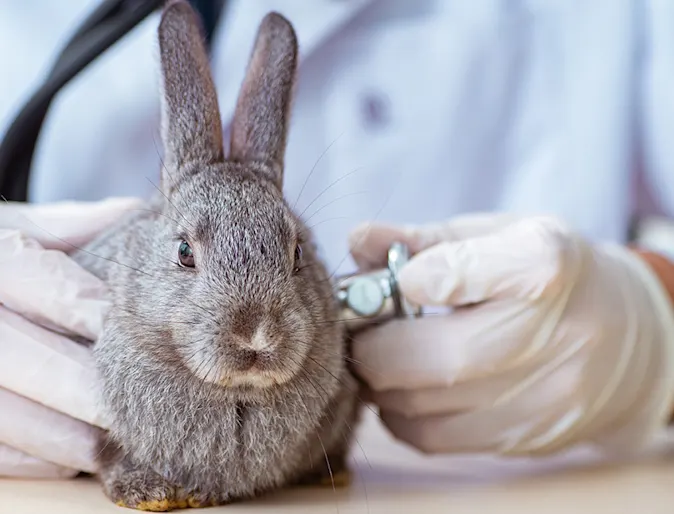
(185,255)
(298,258)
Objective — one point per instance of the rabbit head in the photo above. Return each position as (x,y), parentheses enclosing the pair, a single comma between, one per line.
(243,299)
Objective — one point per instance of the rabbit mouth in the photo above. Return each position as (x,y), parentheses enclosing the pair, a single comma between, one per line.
(257,362)
(243,369)
(258,368)
(254,379)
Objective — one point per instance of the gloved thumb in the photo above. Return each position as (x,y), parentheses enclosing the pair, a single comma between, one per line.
(523,260)
(369,242)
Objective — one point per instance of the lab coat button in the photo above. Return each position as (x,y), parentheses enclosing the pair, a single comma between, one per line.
(375,110)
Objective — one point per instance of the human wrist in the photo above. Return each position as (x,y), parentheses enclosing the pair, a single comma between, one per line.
(663,268)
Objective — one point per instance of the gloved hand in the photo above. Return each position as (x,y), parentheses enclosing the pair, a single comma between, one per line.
(48,412)
(551,341)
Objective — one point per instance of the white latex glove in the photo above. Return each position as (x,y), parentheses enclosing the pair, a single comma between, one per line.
(550,341)
(48,412)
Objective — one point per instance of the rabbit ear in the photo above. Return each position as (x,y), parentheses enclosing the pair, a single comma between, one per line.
(191,126)
(261,117)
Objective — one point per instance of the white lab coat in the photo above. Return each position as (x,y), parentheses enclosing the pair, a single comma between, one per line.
(427,108)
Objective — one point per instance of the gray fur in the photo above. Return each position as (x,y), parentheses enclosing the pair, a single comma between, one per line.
(186,429)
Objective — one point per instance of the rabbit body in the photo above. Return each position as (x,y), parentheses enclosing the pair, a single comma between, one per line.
(222,365)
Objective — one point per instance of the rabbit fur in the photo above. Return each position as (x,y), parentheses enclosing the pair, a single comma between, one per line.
(227,379)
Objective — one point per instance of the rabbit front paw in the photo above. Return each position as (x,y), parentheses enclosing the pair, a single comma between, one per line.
(141,490)
(145,490)
(151,493)
(136,487)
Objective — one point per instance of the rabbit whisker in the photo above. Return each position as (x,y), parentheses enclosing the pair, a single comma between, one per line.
(212,366)
(352,360)
(212,390)
(325,453)
(335,200)
(314,169)
(196,350)
(377,214)
(161,214)
(301,399)
(353,433)
(212,314)
(355,318)
(148,321)
(334,183)
(348,425)
(339,380)
(364,480)
(329,219)
(82,249)
(167,198)
(174,183)
(365,404)
(105,446)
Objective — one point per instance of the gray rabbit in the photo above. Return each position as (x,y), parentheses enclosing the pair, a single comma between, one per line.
(222,364)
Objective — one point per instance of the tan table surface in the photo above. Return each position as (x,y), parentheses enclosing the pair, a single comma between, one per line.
(393,478)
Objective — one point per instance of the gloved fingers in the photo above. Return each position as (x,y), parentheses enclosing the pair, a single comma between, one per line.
(17,464)
(441,434)
(523,411)
(48,368)
(48,287)
(445,401)
(437,351)
(470,432)
(522,261)
(506,429)
(369,242)
(46,434)
(65,225)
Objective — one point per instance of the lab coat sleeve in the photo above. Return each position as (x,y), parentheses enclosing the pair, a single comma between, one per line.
(656,103)
(654,76)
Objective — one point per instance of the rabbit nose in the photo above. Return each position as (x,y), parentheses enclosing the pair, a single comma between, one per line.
(245,323)
(252,350)
(245,358)
(258,341)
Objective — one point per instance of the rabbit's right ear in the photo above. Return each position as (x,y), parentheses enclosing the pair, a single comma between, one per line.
(260,121)
(191,126)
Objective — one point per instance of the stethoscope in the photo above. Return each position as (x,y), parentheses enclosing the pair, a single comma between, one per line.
(364,298)
(373,297)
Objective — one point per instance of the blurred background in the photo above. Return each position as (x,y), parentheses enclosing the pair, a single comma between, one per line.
(406,111)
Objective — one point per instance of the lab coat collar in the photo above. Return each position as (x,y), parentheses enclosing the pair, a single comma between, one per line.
(314,22)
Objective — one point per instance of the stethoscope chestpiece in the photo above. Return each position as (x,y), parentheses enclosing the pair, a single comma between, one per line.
(374,297)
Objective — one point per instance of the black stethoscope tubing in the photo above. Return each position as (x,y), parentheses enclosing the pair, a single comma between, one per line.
(106,25)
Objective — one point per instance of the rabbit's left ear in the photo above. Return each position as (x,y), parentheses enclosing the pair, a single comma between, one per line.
(191,126)
(261,120)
